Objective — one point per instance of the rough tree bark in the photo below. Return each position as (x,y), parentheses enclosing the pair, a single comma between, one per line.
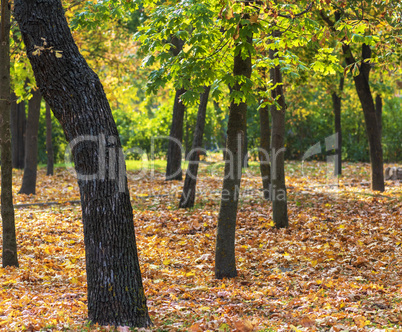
(225,263)
(18,127)
(9,257)
(174,155)
(337,106)
(31,145)
(370,116)
(49,142)
(188,195)
(265,142)
(278,186)
(76,97)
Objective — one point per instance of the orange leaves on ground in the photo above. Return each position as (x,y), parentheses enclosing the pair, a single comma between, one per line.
(338,266)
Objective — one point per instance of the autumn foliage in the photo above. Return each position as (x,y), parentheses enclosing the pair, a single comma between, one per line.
(337,267)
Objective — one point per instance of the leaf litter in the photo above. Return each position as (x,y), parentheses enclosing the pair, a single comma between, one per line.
(338,266)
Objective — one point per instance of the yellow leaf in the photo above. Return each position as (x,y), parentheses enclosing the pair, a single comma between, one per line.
(166,262)
(254,18)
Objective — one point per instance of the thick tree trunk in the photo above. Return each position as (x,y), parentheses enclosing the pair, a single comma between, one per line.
(278,186)
(337,106)
(31,145)
(49,142)
(370,116)
(75,94)
(225,263)
(265,142)
(188,195)
(18,127)
(175,149)
(9,256)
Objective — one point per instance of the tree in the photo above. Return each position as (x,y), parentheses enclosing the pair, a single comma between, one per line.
(174,155)
(18,128)
(31,145)
(265,139)
(188,195)
(49,143)
(337,106)
(10,257)
(374,38)
(278,186)
(372,128)
(76,97)
(225,263)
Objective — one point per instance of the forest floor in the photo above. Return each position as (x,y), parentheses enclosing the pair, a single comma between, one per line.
(338,267)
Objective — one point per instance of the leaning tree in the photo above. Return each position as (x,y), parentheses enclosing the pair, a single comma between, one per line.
(75,94)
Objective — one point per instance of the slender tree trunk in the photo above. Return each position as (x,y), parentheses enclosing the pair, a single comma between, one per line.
(76,97)
(278,186)
(175,148)
(31,145)
(187,137)
(225,263)
(337,105)
(18,127)
(9,255)
(188,195)
(245,150)
(378,112)
(370,115)
(265,142)
(49,143)
(222,130)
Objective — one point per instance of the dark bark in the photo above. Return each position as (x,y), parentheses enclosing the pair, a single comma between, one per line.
(265,142)
(18,127)
(175,149)
(222,136)
(337,106)
(225,263)
(188,195)
(370,116)
(9,255)
(378,113)
(31,145)
(278,186)
(49,142)
(76,97)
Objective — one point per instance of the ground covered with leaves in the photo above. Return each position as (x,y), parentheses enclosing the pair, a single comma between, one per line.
(338,267)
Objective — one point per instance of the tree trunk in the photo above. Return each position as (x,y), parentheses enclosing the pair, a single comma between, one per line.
(378,113)
(337,105)
(245,150)
(370,116)
(31,145)
(49,143)
(175,149)
(18,127)
(278,186)
(188,195)
(265,166)
(225,263)
(75,94)
(9,257)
